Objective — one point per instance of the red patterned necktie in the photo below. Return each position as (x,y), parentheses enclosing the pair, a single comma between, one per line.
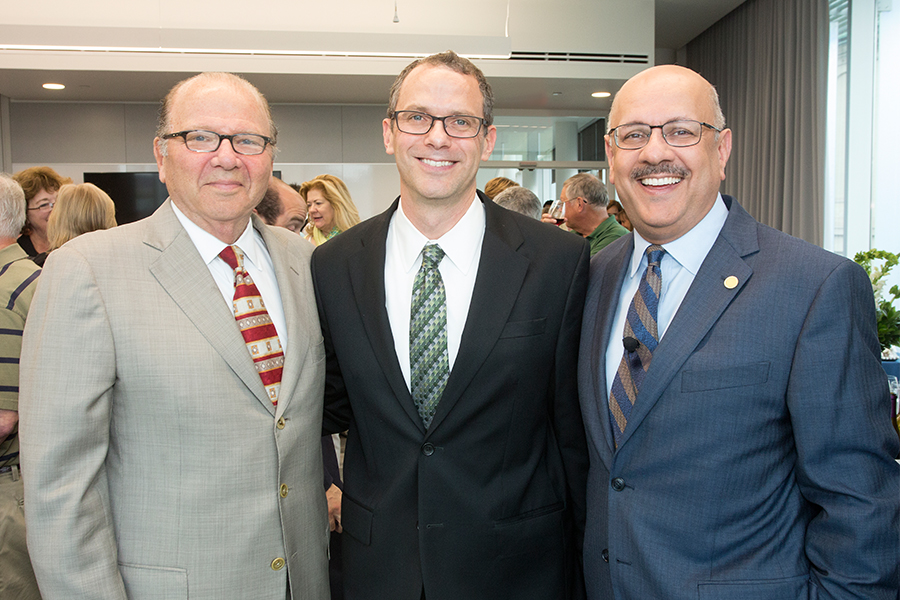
(256,325)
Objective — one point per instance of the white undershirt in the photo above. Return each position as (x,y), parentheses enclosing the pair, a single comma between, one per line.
(679,266)
(257,262)
(403,257)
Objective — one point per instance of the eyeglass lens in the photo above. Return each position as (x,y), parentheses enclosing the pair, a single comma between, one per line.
(676,133)
(208,141)
(419,123)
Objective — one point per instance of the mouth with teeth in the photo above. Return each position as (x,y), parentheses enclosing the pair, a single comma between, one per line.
(436,163)
(659,175)
(660,181)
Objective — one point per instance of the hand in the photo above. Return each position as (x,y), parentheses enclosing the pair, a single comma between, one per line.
(333,495)
(546,218)
(8,420)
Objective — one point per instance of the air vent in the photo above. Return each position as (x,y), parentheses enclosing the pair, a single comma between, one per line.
(582,57)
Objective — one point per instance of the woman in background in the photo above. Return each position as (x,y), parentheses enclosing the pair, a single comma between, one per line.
(330,208)
(79,209)
(497,185)
(41,185)
(615,209)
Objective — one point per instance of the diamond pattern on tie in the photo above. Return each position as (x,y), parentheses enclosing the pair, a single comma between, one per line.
(640,324)
(428,359)
(255,324)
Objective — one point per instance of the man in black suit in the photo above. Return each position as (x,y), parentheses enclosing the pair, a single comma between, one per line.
(470,487)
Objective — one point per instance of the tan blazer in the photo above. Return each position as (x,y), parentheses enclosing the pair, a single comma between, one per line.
(155,465)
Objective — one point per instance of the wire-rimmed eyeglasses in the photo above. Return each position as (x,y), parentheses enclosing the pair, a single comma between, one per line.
(678,134)
(198,140)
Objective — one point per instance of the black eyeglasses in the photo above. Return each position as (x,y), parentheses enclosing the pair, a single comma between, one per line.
(197,140)
(678,134)
(419,123)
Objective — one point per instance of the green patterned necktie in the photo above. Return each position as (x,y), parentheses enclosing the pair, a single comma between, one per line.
(429,364)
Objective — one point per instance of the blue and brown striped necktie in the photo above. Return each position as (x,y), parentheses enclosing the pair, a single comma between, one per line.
(641,337)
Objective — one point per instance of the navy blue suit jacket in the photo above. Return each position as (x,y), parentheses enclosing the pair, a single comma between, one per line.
(758,460)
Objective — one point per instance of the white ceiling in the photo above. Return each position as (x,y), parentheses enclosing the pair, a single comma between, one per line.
(678,21)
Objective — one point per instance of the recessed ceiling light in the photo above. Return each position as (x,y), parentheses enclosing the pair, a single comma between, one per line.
(557,93)
(54,86)
(601,94)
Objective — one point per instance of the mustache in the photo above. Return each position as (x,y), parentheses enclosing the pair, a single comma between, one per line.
(660,169)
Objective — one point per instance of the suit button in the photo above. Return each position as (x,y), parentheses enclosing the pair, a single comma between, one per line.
(280,423)
(427,448)
(278,564)
(605,555)
(618,484)
(283,490)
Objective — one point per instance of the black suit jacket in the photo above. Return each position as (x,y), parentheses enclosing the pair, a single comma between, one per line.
(489,501)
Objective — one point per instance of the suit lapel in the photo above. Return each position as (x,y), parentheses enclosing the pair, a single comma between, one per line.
(182,273)
(609,285)
(501,272)
(366,266)
(287,273)
(706,300)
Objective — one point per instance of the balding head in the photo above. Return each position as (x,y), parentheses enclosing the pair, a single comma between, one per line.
(683,81)
(666,190)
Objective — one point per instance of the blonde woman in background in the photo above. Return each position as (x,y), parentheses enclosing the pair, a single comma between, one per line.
(498,184)
(79,209)
(330,208)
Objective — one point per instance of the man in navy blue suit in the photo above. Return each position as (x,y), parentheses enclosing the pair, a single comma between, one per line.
(735,406)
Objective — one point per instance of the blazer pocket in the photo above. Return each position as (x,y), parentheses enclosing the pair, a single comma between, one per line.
(154,583)
(515,329)
(789,588)
(356,520)
(730,377)
(537,531)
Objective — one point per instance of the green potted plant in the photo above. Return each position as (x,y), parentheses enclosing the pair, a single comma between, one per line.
(878,263)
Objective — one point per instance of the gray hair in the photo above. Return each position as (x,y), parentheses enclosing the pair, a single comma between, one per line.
(12,207)
(521,200)
(588,187)
(236,81)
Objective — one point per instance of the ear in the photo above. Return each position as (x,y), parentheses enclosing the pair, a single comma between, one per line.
(724,151)
(489,142)
(159,159)
(610,156)
(388,133)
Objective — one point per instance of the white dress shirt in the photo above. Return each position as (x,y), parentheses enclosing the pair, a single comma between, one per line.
(257,262)
(403,257)
(679,266)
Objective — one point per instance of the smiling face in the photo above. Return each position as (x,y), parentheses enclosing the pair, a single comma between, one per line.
(666,191)
(216,190)
(436,169)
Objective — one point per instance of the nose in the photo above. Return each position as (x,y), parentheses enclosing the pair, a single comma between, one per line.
(438,135)
(657,149)
(225,156)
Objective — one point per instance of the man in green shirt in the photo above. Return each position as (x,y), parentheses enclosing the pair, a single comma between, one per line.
(584,198)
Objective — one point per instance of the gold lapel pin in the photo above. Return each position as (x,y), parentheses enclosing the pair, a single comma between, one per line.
(731,282)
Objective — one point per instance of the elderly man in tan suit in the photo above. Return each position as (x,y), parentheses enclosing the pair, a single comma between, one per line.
(171,452)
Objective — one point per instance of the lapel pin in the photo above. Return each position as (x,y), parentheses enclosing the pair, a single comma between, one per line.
(731,282)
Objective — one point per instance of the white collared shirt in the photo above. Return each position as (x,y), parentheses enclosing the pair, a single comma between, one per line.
(679,266)
(403,257)
(257,262)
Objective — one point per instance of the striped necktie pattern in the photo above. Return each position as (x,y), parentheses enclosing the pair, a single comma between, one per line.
(640,325)
(255,324)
